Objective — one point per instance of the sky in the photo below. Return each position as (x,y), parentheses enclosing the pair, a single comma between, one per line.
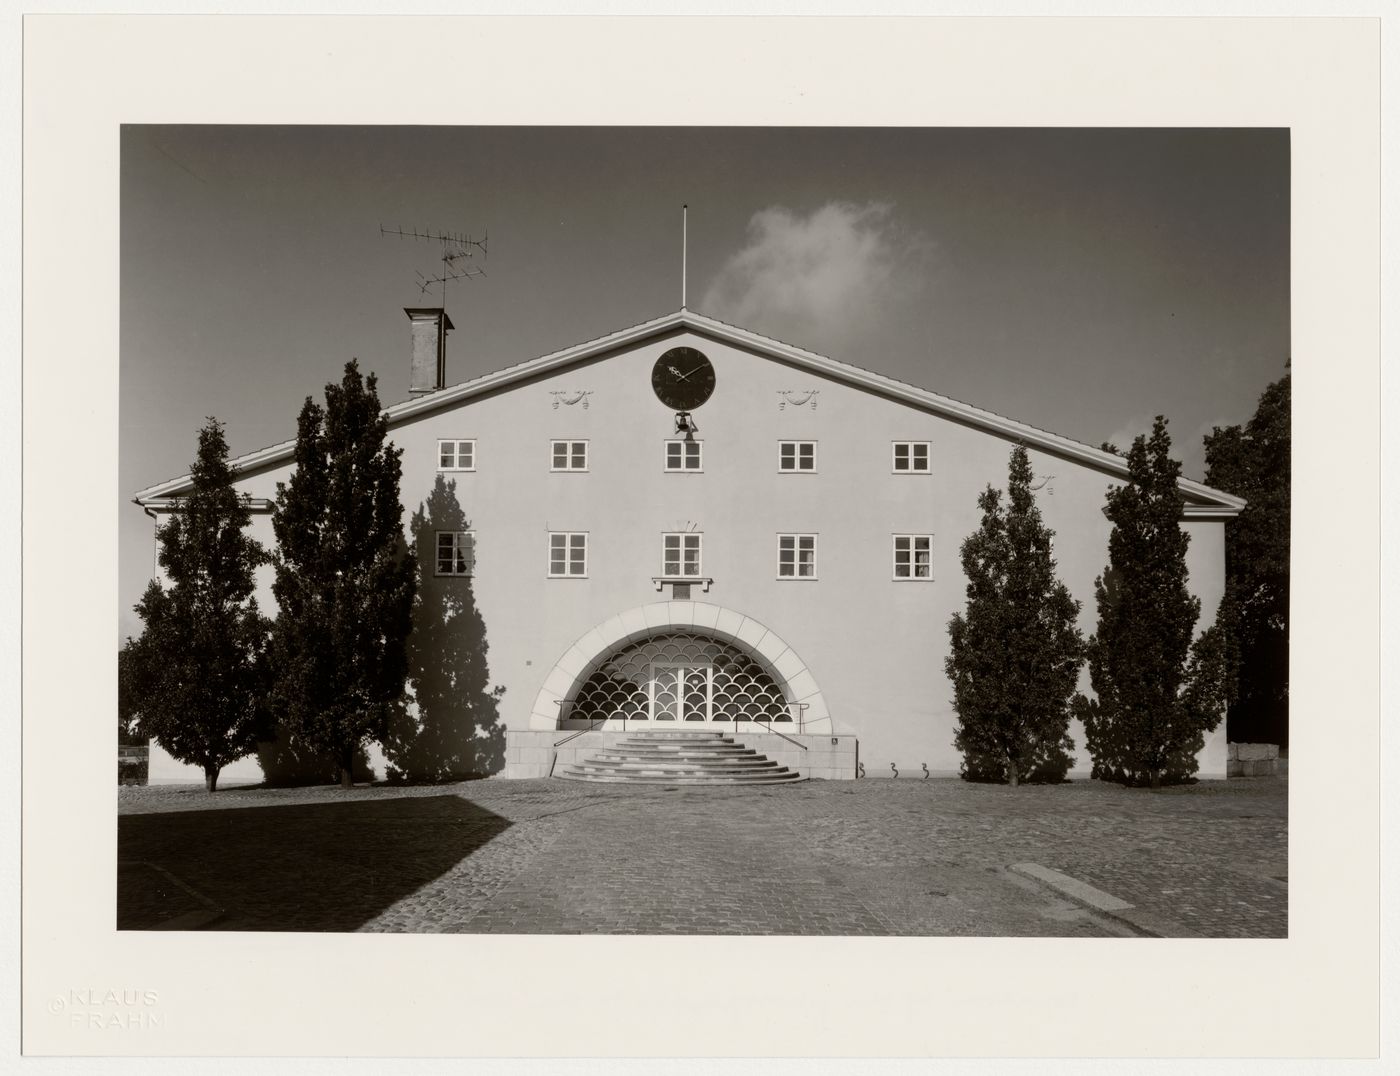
(1081,281)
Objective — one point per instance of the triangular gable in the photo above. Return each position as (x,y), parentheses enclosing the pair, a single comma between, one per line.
(1203,501)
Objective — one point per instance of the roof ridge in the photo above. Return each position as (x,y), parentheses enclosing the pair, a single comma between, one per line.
(906,384)
(733,334)
(581,345)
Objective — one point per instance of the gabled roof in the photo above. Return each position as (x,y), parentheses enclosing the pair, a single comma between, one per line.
(1203,502)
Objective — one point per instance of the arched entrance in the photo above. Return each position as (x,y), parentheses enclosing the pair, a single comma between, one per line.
(681,665)
(679,677)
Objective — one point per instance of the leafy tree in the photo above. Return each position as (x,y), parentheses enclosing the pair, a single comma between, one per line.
(132,763)
(344,585)
(129,731)
(1157,692)
(1016,652)
(198,671)
(1254,462)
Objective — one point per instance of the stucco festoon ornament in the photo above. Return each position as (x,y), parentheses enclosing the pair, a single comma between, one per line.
(797,399)
(568,399)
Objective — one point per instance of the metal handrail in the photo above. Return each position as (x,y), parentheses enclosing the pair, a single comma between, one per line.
(580,732)
(759,720)
(592,725)
(771,729)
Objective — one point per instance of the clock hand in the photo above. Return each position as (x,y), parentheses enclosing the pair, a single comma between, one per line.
(683,377)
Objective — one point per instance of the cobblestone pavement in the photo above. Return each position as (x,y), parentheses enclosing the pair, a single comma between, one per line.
(831,858)
(148,899)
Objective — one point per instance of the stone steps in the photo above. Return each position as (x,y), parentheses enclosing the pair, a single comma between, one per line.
(678,757)
(741,755)
(714,761)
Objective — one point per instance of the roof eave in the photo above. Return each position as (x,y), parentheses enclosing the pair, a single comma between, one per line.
(1218,503)
(170,504)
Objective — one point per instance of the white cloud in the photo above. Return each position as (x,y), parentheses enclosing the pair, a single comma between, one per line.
(1188,448)
(1125,435)
(820,280)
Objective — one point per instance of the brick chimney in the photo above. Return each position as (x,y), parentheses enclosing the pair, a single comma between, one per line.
(429,326)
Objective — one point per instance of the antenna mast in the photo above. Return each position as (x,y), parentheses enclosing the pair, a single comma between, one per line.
(684,210)
(455,247)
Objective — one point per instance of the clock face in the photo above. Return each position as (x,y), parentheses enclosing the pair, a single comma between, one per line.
(683,378)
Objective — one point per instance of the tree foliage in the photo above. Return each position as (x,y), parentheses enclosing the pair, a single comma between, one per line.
(1255,462)
(197,674)
(344,584)
(1015,652)
(1157,692)
(129,731)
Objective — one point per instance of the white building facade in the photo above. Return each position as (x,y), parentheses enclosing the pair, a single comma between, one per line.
(789,567)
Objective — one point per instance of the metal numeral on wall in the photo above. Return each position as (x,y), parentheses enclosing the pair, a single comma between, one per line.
(896,772)
(926,773)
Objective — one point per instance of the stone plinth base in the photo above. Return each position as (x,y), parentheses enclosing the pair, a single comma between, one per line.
(1252,760)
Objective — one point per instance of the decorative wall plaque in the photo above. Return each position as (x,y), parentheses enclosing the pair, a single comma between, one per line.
(797,399)
(568,399)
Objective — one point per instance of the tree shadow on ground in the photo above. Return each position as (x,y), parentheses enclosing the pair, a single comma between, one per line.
(314,867)
(451,727)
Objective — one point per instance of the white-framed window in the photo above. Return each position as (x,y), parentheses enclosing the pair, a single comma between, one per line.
(797,556)
(797,457)
(456,553)
(568,554)
(680,555)
(457,455)
(684,455)
(912,457)
(913,556)
(568,455)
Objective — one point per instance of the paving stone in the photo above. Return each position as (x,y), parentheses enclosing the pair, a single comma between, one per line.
(920,857)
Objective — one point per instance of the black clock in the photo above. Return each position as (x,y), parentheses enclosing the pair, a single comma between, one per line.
(683,378)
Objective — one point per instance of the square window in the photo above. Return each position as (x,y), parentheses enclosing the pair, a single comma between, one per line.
(568,554)
(913,556)
(456,455)
(680,555)
(797,456)
(456,553)
(568,455)
(683,455)
(912,457)
(797,556)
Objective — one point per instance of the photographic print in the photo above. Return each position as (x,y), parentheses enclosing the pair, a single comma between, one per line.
(710,530)
(576,510)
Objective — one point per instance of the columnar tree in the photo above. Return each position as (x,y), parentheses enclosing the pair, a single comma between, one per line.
(344,584)
(1157,692)
(1254,462)
(1015,653)
(199,669)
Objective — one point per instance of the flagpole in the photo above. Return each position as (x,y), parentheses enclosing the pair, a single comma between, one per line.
(684,210)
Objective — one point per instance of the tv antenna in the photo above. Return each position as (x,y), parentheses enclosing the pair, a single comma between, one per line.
(457,247)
